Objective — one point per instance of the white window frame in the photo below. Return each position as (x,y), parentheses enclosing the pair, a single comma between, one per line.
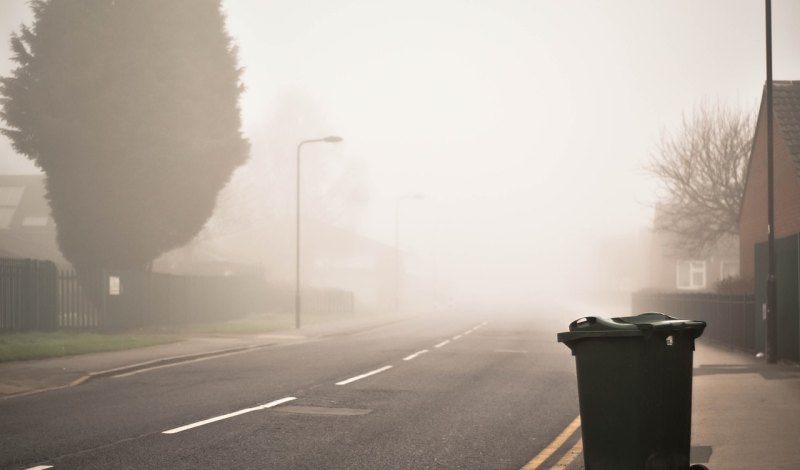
(728,262)
(694,267)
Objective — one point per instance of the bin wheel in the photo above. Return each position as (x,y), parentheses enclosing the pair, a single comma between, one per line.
(698,466)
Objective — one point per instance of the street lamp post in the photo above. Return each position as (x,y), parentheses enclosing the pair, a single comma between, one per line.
(332,139)
(397,246)
(771,343)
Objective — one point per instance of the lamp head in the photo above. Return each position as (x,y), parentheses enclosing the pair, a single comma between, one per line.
(332,139)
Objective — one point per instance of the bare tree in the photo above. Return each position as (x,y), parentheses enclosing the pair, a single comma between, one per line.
(701,168)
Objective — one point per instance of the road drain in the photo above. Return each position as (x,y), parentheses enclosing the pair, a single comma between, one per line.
(322,411)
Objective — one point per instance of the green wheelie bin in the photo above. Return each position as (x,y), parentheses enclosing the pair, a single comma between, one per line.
(635,390)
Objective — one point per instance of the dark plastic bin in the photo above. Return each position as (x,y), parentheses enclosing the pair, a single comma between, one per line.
(635,390)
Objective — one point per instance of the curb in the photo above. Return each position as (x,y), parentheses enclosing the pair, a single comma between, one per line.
(358,330)
(195,356)
(144,365)
(165,361)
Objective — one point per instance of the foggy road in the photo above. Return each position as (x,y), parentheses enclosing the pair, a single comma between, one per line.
(482,392)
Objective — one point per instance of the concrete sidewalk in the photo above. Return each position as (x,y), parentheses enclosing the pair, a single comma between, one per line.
(745,412)
(26,377)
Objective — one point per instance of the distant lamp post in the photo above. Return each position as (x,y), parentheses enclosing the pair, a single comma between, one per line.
(399,199)
(331,139)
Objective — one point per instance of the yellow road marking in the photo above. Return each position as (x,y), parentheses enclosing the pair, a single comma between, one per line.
(554,446)
(571,455)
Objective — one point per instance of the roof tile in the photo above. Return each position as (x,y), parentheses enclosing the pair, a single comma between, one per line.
(786,104)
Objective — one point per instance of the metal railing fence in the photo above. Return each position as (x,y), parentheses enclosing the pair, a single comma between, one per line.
(36,296)
(730,318)
(27,295)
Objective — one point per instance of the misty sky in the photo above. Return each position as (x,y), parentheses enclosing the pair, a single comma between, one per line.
(526,123)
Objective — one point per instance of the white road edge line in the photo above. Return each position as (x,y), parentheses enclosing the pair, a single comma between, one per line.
(359,377)
(181,363)
(442,343)
(457,337)
(229,415)
(414,356)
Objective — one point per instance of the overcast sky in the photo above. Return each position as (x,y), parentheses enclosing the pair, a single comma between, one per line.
(525,123)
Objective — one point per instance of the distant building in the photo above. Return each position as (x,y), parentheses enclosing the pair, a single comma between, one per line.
(26,228)
(331,258)
(342,259)
(753,214)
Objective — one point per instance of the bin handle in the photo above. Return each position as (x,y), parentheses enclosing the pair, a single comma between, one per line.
(582,323)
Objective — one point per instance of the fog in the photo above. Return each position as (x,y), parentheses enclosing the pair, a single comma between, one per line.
(520,127)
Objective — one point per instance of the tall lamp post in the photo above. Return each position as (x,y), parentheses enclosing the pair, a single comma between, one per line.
(397,245)
(332,139)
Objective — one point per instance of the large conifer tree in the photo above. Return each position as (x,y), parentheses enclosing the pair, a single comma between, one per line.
(131,109)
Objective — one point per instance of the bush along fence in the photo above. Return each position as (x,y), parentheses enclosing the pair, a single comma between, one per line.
(730,318)
(35,295)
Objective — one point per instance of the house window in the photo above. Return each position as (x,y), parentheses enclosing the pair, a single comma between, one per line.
(691,274)
(34,221)
(6,216)
(11,195)
(728,268)
(9,200)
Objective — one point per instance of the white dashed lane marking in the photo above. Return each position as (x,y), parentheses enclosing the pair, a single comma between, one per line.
(359,377)
(415,355)
(229,415)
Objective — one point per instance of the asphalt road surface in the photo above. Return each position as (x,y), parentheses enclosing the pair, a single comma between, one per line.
(478,392)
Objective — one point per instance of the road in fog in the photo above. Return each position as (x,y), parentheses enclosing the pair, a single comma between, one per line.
(484,392)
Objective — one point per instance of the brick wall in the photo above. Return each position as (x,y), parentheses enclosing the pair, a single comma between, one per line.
(753,218)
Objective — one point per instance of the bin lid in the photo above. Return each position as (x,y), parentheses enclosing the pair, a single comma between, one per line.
(638,325)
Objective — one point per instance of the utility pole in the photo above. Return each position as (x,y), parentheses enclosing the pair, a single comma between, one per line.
(772,281)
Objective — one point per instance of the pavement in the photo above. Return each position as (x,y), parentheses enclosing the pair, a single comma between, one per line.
(746,413)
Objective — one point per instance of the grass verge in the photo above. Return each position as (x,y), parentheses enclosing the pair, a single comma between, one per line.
(250,325)
(35,345)
(256,323)
(38,345)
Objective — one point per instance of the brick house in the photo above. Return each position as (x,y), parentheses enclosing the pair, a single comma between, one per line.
(753,214)
(671,269)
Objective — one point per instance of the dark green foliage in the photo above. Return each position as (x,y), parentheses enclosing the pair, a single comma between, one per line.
(131,109)
(735,285)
